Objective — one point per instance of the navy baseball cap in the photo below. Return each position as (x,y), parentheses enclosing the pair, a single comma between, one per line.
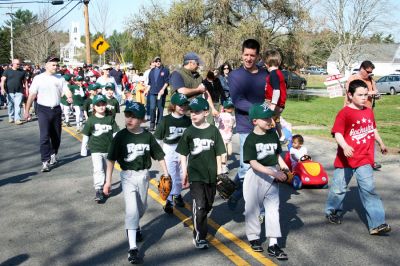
(137,109)
(193,56)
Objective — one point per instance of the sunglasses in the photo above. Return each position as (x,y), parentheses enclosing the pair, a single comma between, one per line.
(226,68)
(157,61)
(368,72)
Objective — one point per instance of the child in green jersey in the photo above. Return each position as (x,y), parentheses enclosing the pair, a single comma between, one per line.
(170,130)
(97,134)
(88,103)
(260,187)
(133,148)
(201,147)
(112,102)
(78,97)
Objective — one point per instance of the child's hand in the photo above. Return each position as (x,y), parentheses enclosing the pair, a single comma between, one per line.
(384,150)
(107,188)
(348,151)
(185,183)
(281,176)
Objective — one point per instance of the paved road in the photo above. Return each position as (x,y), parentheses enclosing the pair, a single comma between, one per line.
(51,218)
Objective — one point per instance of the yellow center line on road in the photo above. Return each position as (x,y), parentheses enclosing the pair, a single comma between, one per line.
(236,259)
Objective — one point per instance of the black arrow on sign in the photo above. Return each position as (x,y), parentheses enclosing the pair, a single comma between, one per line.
(99,44)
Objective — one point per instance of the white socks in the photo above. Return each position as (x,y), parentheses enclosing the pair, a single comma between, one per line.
(273,241)
(132,238)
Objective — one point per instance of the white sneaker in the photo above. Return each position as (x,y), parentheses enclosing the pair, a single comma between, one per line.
(53,160)
(45,167)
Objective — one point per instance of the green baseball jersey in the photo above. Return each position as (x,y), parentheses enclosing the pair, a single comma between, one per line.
(100,132)
(112,106)
(262,148)
(88,106)
(64,101)
(170,129)
(78,95)
(202,146)
(134,151)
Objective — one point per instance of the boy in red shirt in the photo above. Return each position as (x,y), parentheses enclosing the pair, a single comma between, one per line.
(355,132)
(275,88)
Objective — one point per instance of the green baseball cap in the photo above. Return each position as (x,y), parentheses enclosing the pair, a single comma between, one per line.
(228,103)
(260,111)
(136,108)
(109,85)
(79,78)
(179,99)
(93,86)
(67,77)
(99,98)
(198,104)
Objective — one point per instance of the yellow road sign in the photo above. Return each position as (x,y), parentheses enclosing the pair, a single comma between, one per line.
(100,45)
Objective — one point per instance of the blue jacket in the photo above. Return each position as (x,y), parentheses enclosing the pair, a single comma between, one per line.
(156,85)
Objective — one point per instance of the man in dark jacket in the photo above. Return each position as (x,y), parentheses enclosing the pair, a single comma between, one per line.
(158,82)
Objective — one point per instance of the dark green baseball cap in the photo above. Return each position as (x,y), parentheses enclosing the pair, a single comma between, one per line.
(109,85)
(67,77)
(179,99)
(93,86)
(79,78)
(260,111)
(198,104)
(99,98)
(136,108)
(228,103)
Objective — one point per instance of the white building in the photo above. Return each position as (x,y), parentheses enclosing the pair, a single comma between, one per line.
(385,57)
(69,52)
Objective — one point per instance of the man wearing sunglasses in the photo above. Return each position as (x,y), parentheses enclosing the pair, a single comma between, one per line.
(365,74)
(13,83)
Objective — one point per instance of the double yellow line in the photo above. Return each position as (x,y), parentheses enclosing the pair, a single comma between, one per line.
(236,259)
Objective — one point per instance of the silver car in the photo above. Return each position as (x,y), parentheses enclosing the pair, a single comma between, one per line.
(389,84)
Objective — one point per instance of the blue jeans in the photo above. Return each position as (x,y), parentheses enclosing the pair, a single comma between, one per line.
(14,105)
(238,194)
(156,109)
(366,188)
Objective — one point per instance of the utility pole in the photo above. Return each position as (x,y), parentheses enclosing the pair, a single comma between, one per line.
(12,36)
(87,32)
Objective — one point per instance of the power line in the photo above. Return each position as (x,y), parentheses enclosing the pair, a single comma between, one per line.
(24,38)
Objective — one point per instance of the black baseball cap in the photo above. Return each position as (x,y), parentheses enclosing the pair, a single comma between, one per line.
(52,59)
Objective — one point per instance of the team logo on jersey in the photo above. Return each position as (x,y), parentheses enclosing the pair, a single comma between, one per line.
(265,149)
(110,107)
(201,145)
(100,129)
(135,150)
(175,132)
(362,131)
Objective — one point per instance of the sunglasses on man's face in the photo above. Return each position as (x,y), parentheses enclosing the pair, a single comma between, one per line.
(158,61)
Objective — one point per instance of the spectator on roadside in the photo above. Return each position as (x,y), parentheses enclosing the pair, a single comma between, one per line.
(13,83)
(214,88)
(146,83)
(106,78)
(117,74)
(246,85)
(158,82)
(224,71)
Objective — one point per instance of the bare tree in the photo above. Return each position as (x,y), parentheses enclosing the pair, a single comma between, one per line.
(351,20)
(100,15)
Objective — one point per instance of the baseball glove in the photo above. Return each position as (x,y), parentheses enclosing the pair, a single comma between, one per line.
(164,186)
(289,176)
(225,186)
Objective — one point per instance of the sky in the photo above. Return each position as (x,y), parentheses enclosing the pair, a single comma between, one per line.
(121,10)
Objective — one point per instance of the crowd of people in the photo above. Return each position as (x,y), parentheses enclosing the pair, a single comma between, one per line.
(196,136)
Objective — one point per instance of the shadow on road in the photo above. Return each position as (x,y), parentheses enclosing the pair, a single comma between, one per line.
(17,178)
(16,260)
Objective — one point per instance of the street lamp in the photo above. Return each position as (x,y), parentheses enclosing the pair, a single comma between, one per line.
(12,36)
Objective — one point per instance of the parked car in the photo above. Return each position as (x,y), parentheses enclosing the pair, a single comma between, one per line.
(294,81)
(389,84)
(313,70)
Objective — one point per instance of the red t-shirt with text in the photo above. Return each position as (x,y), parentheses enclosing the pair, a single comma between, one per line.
(357,128)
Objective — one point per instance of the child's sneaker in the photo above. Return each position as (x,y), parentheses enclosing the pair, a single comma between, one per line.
(168,208)
(178,200)
(333,218)
(383,228)
(256,245)
(133,256)
(277,252)
(200,244)
(99,198)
